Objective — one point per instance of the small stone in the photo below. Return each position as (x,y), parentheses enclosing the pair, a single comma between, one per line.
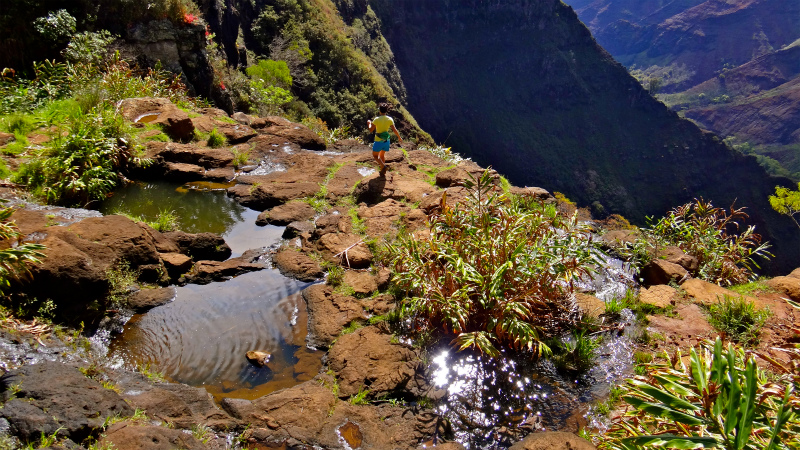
(258,357)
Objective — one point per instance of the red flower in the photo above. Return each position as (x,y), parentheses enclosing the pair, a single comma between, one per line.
(189,18)
(222,85)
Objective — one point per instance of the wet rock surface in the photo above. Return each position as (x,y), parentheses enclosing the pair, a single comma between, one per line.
(367,359)
(55,398)
(297,265)
(329,313)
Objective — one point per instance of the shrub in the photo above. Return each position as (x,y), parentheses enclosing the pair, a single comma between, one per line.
(216,139)
(720,399)
(492,273)
(738,319)
(84,164)
(710,235)
(240,158)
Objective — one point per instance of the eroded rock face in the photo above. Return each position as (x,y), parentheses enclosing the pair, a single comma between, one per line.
(201,245)
(552,440)
(175,121)
(51,397)
(205,272)
(789,286)
(328,313)
(275,421)
(661,296)
(707,293)
(286,214)
(347,249)
(367,359)
(146,299)
(660,271)
(134,436)
(297,265)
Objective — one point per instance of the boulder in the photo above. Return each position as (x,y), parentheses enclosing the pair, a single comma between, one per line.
(290,131)
(286,214)
(795,273)
(207,158)
(329,223)
(535,192)
(349,250)
(553,440)
(182,171)
(616,239)
(176,264)
(454,195)
(342,183)
(146,299)
(363,283)
(327,422)
(175,121)
(328,314)
(199,246)
(708,293)
(183,406)
(677,256)
(56,398)
(295,264)
(367,359)
(590,305)
(660,271)
(271,194)
(660,296)
(296,229)
(788,286)
(465,171)
(135,436)
(205,272)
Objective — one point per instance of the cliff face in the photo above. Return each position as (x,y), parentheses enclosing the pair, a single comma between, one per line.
(521,85)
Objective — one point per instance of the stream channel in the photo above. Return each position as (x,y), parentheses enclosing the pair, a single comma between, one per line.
(201,337)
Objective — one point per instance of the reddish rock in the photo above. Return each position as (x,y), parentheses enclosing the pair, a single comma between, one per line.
(385,217)
(795,273)
(380,305)
(286,214)
(375,188)
(426,158)
(271,194)
(662,272)
(677,256)
(342,183)
(616,239)
(222,174)
(590,305)
(205,272)
(200,245)
(54,398)
(295,264)
(326,421)
(708,293)
(660,296)
(292,132)
(367,359)
(182,172)
(328,314)
(208,158)
(175,121)
(348,250)
(146,299)
(363,283)
(162,243)
(553,440)
(789,286)
(454,196)
(236,133)
(136,436)
(535,192)
(329,223)
(466,171)
(295,229)
(176,264)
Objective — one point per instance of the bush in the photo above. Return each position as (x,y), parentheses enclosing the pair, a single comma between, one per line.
(720,399)
(84,164)
(709,234)
(738,319)
(493,273)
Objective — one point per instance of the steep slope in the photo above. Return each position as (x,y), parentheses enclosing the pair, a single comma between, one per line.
(694,44)
(522,86)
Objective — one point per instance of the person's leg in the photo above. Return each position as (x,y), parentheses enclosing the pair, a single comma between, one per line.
(377,157)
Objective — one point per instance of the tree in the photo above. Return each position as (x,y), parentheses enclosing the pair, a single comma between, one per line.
(786,202)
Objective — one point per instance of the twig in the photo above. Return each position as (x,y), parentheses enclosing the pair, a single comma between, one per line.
(344,252)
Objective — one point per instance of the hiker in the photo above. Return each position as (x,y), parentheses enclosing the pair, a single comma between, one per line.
(381,126)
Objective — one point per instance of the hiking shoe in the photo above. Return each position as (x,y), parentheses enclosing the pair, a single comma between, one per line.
(383,171)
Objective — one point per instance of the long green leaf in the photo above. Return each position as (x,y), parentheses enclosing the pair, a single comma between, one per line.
(665,397)
(673,441)
(663,411)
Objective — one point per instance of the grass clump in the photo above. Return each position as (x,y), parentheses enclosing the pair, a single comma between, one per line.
(216,139)
(738,319)
(576,353)
(493,274)
(15,260)
(240,158)
(360,398)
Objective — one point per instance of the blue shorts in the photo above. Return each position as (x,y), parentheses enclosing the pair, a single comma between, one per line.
(380,146)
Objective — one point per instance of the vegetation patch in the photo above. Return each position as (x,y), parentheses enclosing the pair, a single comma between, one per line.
(738,319)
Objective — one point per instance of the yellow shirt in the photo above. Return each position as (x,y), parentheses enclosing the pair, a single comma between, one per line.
(382,125)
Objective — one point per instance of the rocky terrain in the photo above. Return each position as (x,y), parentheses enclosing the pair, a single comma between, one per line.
(55,385)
